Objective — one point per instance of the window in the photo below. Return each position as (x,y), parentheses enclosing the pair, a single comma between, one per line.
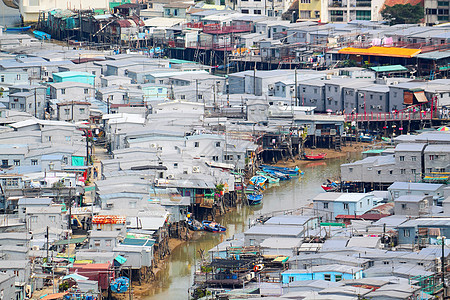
(238,156)
(413,171)
(82,110)
(413,158)
(200,97)
(175,12)
(390,172)
(96,243)
(429,170)
(252,242)
(406,233)
(350,170)
(325,205)
(22,106)
(68,138)
(432,157)
(108,243)
(196,144)
(244,11)
(327,277)
(34,162)
(217,144)
(403,206)
(386,262)
(183,97)
(402,158)
(132,204)
(345,205)
(13,105)
(381,97)
(86,91)
(315,91)
(52,219)
(402,171)
(371,97)
(63,91)
(4,162)
(379,172)
(228,157)
(215,158)
(335,89)
(17,162)
(291,279)
(67,111)
(338,277)
(2,78)
(369,168)
(257,11)
(33,219)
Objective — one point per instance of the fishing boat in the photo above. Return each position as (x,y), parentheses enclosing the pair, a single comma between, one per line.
(365,138)
(254,199)
(314,157)
(270,179)
(258,180)
(213,226)
(194,225)
(292,172)
(279,175)
(120,285)
(18,29)
(330,186)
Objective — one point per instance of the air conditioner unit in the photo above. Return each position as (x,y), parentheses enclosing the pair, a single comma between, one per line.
(195,169)
(271,88)
(170,176)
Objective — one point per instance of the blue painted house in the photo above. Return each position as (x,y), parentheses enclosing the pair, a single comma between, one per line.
(332,273)
(73,76)
(424,231)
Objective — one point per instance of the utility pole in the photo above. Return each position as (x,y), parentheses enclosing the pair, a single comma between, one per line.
(107,104)
(296,92)
(47,243)
(35,103)
(254,80)
(196,90)
(444,291)
(73,121)
(87,147)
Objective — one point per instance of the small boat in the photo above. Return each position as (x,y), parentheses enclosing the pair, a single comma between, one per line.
(40,35)
(365,138)
(120,285)
(279,175)
(330,186)
(194,225)
(314,157)
(292,172)
(258,180)
(213,226)
(270,179)
(18,29)
(254,199)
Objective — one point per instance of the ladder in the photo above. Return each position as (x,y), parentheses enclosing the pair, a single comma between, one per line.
(337,143)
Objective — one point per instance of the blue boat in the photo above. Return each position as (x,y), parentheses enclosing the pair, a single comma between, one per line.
(276,174)
(194,225)
(120,285)
(213,226)
(258,180)
(18,29)
(40,35)
(254,199)
(292,172)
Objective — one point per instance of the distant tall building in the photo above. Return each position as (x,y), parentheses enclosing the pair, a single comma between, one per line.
(344,11)
(309,9)
(436,12)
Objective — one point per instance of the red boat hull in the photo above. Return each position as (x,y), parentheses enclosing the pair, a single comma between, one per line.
(315,157)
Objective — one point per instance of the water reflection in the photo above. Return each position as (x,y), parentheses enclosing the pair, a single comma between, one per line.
(176,278)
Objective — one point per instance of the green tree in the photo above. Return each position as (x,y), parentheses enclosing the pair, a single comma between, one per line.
(403,14)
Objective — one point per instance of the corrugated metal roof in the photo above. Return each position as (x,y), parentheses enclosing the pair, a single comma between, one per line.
(435,55)
(415,186)
(413,147)
(382,51)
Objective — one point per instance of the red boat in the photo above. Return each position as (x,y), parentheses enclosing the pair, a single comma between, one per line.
(315,157)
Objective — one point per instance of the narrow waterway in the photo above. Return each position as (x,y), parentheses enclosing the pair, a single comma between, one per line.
(176,279)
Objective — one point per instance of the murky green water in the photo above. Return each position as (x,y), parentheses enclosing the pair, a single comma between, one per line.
(176,279)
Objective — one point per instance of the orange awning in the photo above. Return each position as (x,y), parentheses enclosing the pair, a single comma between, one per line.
(382,51)
(420,96)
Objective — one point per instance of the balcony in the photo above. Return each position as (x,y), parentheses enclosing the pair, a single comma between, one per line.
(337,19)
(226,29)
(363,3)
